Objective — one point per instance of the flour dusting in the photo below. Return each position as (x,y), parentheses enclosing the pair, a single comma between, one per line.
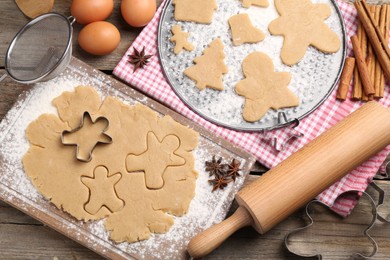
(206,208)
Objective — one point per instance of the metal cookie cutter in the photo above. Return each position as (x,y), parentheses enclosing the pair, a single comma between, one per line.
(366,231)
(283,122)
(382,175)
(381,202)
(102,139)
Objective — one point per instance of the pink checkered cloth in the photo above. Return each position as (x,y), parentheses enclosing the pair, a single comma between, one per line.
(151,80)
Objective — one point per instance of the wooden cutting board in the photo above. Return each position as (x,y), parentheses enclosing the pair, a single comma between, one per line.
(34,8)
(206,209)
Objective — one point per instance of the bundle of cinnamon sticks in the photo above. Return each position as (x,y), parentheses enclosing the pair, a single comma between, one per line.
(372,54)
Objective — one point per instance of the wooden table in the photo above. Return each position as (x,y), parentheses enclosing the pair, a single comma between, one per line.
(22,237)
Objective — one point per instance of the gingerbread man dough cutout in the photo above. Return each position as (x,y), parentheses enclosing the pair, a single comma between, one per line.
(263,88)
(198,11)
(102,191)
(209,68)
(158,156)
(243,31)
(180,39)
(302,24)
(249,3)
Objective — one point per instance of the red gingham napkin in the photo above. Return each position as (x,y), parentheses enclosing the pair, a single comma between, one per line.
(151,81)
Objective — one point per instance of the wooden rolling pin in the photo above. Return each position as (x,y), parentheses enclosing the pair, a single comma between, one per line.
(305,174)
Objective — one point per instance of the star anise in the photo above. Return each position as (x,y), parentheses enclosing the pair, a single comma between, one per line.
(215,167)
(220,182)
(139,59)
(233,169)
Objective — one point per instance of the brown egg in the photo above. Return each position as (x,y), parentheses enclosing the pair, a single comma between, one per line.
(138,13)
(99,38)
(88,11)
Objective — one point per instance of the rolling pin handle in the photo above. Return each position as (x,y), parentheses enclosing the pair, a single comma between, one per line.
(205,242)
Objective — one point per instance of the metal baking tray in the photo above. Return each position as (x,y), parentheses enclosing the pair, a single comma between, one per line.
(313,78)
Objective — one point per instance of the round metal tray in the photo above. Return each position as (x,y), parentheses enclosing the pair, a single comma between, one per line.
(313,78)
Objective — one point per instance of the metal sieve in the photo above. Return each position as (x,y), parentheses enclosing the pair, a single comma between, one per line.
(40,50)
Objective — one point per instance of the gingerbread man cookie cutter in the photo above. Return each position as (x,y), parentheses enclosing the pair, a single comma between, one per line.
(382,175)
(381,202)
(103,138)
(366,234)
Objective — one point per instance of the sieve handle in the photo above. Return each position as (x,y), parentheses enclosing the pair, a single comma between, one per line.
(71,20)
(3,77)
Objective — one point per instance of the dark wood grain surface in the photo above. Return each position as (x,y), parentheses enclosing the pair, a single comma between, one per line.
(21,237)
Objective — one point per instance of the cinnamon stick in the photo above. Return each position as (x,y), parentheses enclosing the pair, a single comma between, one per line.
(380,18)
(377,40)
(346,78)
(357,84)
(387,22)
(371,63)
(364,45)
(382,26)
(378,33)
(364,96)
(367,49)
(362,66)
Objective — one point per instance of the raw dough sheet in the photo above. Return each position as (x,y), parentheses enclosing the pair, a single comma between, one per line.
(16,189)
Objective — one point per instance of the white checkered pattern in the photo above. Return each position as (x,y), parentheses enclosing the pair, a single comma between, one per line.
(152,82)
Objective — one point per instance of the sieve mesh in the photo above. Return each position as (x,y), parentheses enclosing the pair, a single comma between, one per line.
(39,48)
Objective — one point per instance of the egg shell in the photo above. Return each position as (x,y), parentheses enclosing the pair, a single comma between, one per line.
(99,38)
(138,13)
(88,11)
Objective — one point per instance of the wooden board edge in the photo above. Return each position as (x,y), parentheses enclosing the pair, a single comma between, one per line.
(57,225)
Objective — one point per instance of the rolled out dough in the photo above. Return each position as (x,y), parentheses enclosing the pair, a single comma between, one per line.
(132,210)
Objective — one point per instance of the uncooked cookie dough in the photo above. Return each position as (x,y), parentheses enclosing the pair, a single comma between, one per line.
(110,186)
(161,154)
(198,11)
(102,192)
(263,88)
(180,39)
(243,31)
(209,68)
(302,24)
(249,3)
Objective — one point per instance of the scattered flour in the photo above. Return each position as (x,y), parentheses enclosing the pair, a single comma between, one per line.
(206,208)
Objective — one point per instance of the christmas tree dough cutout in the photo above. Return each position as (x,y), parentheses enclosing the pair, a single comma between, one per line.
(263,88)
(156,159)
(87,136)
(198,11)
(249,3)
(243,31)
(209,68)
(302,24)
(102,191)
(180,39)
